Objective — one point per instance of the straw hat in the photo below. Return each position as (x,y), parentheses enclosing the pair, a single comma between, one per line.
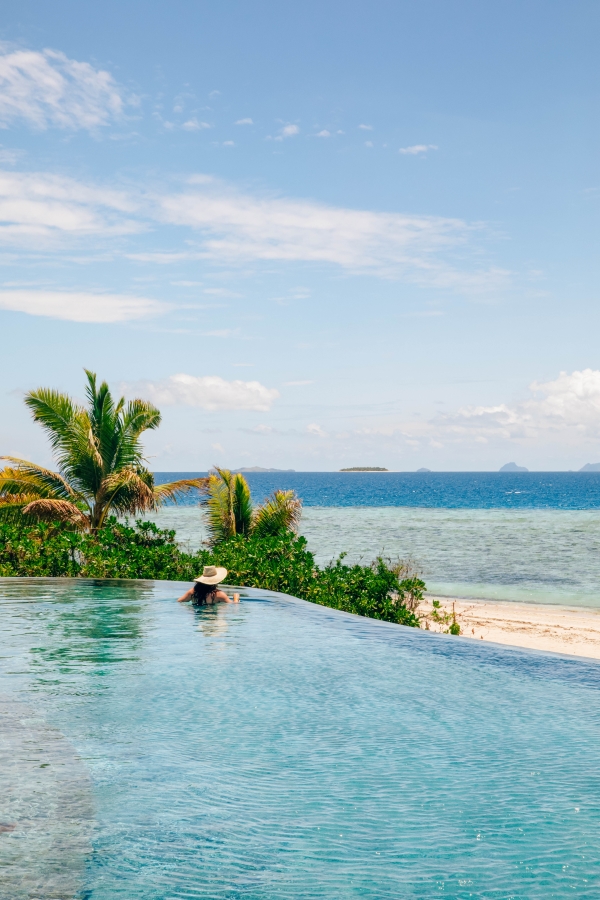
(212,575)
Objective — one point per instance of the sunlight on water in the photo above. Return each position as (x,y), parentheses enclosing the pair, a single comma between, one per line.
(277,750)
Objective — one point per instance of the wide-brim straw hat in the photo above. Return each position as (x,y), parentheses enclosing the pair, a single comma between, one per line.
(212,575)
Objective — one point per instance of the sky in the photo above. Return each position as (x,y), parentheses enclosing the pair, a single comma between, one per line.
(316,235)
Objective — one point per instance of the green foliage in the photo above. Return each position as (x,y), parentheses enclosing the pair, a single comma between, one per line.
(101,468)
(231,512)
(278,562)
(442,617)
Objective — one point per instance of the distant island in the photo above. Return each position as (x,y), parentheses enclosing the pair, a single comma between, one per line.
(260,469)
(422,471)
(590,467)
(365,469)
(513,467)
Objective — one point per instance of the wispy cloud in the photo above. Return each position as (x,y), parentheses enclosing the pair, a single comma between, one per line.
(232,227)
(366,127)
(209,392)
(238,227)
(79,306)
(194,125)
(315,429)
(417,149)
(39,204)
(49,89)
(287,131)
(324,133)
(244,122)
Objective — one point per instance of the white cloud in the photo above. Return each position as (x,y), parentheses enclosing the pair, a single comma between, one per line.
(563,412)
(315,429)
(570,403)
(234,228)
(417,149)
(244,122)
(228,143)
(366,127)
(48,88)
(287,131)
(238,227)
(209,392)
(368,143)
(194,125)
(38,204)
(324,133)
(77,306)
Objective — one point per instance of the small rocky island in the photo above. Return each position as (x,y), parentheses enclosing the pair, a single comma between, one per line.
(513,467)
(365,469)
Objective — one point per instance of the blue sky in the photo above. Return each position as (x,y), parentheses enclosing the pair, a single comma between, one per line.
(316,235)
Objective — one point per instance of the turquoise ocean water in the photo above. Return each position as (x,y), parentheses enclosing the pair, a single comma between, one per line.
(275,750)
(531,537)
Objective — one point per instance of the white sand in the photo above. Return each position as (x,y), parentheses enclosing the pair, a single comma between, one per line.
(559,629)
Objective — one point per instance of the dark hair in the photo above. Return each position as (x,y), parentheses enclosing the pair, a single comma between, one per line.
(202,593)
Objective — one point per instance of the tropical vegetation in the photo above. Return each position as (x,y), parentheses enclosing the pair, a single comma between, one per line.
(101,467)
(231,512)
(66,522)
(279,562)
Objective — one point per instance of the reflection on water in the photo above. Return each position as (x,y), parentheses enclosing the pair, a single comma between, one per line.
(80,636)
(212,621)
(276,750)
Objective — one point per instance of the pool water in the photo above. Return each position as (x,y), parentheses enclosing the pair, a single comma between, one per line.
(275,749)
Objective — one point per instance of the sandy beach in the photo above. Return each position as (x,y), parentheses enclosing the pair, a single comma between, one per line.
(559,629)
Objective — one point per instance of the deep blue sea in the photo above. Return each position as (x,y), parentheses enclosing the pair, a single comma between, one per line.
(442,490)
(530,537)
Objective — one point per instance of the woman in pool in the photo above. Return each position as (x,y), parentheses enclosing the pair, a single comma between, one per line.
(206,588)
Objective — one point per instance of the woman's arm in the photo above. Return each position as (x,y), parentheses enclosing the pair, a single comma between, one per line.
(222,597)
(187,596)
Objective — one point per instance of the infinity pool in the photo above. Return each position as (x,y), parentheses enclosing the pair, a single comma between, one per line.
(280,750)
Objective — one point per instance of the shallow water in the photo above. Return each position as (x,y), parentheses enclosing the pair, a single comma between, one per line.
(534,555)
(274,750)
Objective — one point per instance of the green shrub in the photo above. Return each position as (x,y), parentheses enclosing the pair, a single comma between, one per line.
(277,563)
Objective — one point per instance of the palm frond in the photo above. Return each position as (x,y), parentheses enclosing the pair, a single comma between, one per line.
(177,490)
(31,477)
(104,422)
(128,491)
(47,510)
(221,520)
(56,413)
(280,512)
(242,504)
(11,508)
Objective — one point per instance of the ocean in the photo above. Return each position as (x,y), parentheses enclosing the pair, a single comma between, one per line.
(524,537)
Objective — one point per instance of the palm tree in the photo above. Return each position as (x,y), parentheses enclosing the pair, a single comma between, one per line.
(230,509)
(101,467)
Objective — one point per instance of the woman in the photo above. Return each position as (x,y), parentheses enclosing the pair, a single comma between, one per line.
(206,588)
